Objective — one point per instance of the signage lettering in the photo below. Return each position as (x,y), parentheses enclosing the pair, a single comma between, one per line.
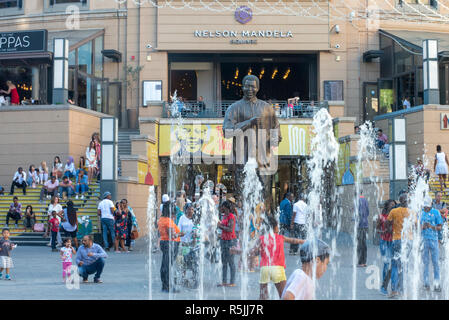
(23,41)
(243,34)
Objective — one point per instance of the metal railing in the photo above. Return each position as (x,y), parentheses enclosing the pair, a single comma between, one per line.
(197,109)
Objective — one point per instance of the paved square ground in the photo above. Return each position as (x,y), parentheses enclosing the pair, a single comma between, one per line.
(38,275)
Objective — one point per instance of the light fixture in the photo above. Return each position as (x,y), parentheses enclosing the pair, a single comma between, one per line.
(236,73)
(275,71)
(250,71)
(286,74)
(262,72)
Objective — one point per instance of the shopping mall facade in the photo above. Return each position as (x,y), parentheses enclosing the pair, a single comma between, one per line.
(126,61)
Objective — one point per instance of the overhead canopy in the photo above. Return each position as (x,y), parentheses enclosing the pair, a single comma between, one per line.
(76,37)
(414,39)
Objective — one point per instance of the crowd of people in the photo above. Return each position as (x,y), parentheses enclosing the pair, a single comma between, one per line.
(396,234)
(178,224)
(56,182)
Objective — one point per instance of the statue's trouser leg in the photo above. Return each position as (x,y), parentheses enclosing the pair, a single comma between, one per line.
(267,181)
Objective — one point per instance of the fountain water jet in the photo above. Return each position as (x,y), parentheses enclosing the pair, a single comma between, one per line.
(324,153)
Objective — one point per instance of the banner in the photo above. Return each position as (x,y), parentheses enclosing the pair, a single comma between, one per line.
(208,139)
(346,170)
(196,139)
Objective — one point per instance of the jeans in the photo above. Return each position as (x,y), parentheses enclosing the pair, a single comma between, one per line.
(45,192)
(431,247)
(397,274)
(68,190)
(81,188)
(30,181)
(68,174)
(227,259)
(386,253)
(300,232)
(43,177)
(22,185)
(107,225)
(96,267)
(361,245)
(14,215)
(54,235)
(169,252)
(29,222)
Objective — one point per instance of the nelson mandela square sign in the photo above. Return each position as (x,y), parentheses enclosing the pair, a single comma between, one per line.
(23,41)
(243,37)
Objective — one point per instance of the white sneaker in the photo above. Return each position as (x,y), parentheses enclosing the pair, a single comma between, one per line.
(76,197)
(82,197)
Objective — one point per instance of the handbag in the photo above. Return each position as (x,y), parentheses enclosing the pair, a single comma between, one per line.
(39,227)
(134,234)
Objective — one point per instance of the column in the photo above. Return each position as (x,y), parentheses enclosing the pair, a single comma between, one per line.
(60,71)
(35,83)
(430,72)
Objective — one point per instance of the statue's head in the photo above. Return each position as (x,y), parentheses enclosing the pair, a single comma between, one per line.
(250,85)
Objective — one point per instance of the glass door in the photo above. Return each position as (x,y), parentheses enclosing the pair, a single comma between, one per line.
(370,100)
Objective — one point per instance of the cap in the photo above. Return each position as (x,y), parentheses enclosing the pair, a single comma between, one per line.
(313,248)
(427,202)
(165,198)
(107,193)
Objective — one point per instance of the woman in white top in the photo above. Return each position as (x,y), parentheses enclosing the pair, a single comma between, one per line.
(43,172)
(55,206)
(185,224)
(440,166)
(91,159)
(57,168)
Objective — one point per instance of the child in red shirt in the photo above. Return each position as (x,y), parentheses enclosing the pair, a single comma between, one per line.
(53,225)
(272,262)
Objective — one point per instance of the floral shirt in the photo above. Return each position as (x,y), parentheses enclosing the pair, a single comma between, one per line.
(66,254)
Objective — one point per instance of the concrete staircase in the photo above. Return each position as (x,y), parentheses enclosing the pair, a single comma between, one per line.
(86,207)
(124,144)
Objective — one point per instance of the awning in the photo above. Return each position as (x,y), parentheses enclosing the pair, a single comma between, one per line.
(76,37)
(25,58)
(413,39)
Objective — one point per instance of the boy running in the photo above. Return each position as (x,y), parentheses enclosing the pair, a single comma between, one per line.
(314,254)
(272,263)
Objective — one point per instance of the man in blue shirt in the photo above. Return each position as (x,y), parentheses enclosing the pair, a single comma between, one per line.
(362,230)
(431,223)
(90,259)
(286,209)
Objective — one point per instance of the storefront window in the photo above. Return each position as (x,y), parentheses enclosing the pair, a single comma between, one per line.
(53,2)
(99,57)
(4,4)
(21,77)
(386,96)
(386,65)
(403,60)
(85,58)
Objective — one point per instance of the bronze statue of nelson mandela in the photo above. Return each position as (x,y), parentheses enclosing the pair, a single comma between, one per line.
(256,120)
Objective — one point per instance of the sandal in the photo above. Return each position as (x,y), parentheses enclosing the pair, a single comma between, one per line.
(222,285)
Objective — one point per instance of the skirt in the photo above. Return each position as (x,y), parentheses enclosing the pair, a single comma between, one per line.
(7,262)
(441,168)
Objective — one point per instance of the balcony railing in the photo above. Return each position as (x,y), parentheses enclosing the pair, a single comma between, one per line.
(196,109)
